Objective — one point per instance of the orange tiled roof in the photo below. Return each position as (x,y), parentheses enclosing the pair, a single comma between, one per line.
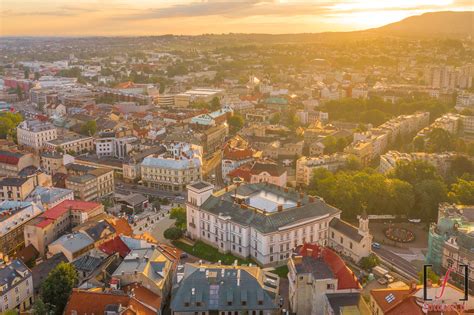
(144,295)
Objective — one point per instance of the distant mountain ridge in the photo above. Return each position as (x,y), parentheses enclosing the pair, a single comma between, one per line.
(443,24)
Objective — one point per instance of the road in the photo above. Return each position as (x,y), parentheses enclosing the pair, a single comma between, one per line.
(125,188)
(397,261)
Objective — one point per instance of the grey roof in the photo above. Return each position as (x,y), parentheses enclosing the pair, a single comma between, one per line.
(200,185)
(12,271)
(316,266)
(87,263)
(143,261)
(74,242)
(339,300)
(266,223)
(346,229)
(100,230)
(216,291)
(134,199)
(13,181)
(49,194)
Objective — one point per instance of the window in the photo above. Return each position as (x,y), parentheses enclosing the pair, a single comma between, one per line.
(342,240)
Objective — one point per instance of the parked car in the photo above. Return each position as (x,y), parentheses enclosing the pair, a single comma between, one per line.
(376,245)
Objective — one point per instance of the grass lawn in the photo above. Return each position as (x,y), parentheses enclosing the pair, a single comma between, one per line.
(281,271)
(209,253)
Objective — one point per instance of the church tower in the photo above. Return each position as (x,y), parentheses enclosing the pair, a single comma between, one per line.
(364,223)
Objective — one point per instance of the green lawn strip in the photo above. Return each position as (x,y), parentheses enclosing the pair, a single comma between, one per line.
(207,252)
(281,271)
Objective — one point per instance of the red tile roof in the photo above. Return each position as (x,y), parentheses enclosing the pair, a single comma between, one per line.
(57,211)
(89,302)
(345,277)
(237,154)
(143,295)
(242,172)
(115,245)
(9,158)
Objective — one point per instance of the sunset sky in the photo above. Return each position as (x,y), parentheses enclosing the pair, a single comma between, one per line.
(156,17)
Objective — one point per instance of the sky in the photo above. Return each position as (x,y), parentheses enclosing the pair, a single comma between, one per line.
(157,17)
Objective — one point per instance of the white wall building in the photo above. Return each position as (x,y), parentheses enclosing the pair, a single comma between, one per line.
(35,134)
(261,221)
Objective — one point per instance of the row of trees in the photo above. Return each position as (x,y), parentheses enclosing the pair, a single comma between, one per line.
(413,189)
(376,111)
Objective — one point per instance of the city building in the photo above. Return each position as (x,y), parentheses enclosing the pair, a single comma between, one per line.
(218,289)
(96,301)
(232,158)
(58,220)
(16,286)
(368,145)
(180,165)
(316,275)
(266,222)
(350,241)
(72,246)
(14,216)
(152,267)
(50,196)
(12,163)
(410,300)
(441,161)
(16,188)
(450,241)
(90,183)
(71,142)
(34,134)
(108,145)
(260,171)
(54,162)
(306,165)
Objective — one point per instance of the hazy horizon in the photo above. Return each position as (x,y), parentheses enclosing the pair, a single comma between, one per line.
(184,17)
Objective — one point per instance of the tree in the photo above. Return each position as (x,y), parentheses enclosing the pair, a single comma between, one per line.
(415,171)
(58,286)
(39,308)
(275,119)
(8,123)
(236,122)
(460,166)
(89,128)
(439,140)
(419,144)
(428,195)
(215,103)
(462,192)
(173,233)
(369,262)
(431,276)
(179,214)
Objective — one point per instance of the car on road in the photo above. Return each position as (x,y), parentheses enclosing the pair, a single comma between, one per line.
(376,245)
(183,255)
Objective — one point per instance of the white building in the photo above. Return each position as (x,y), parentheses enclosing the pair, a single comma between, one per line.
(16,286)
(35,134)
(261,221)
(180,165)
(107,145)
(306,165)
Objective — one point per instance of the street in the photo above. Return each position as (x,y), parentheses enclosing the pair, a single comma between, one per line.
(396,261)
(126,188)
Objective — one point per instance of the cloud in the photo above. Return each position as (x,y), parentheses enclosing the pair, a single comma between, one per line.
(248,8)
(233,9)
